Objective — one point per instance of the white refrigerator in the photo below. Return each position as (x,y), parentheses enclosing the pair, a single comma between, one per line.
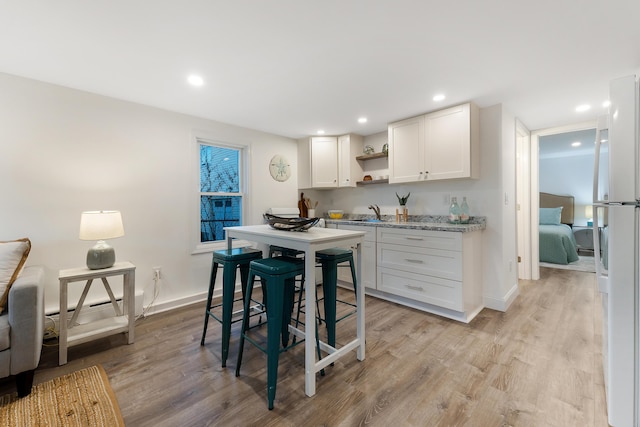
(616,226)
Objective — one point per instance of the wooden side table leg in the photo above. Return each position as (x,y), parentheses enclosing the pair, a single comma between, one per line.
(62,338)
(129,284)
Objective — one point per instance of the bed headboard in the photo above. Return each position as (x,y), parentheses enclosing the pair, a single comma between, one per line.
(548,200)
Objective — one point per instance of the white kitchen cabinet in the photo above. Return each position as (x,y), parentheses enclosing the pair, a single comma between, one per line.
(324,162)
(329,161)
(436,271)
(349,169)
(435,146)
(368,252)
(406,150)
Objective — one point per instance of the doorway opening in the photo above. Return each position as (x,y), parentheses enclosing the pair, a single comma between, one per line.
(577,172)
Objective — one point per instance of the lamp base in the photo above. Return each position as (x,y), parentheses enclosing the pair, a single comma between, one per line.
(101,256)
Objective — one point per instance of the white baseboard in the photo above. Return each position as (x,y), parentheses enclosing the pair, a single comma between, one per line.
(502,304)
(177,303)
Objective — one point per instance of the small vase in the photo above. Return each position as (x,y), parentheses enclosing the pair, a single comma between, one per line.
(402,214)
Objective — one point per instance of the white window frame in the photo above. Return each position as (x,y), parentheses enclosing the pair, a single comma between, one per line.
(244,176)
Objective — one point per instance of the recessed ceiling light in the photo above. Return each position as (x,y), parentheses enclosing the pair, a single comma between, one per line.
(576,144)
(438,97)
(582,108)
(606,104)
(320,132)
(362,120)
(195,80)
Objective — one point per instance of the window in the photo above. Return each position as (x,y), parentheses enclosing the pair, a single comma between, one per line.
(221,190)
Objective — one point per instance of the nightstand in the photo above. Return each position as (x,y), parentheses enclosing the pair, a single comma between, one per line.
(584,238)
(72,333)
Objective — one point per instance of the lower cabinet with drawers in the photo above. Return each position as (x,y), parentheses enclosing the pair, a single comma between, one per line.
(439,272)
(436,271)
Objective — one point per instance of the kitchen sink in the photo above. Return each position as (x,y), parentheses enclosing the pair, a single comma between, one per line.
(364,220)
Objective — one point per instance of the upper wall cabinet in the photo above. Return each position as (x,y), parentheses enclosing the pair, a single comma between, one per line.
(328,161)
(349,169)
(439,145)
(324,162)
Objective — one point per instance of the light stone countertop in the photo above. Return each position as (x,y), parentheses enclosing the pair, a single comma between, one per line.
(416,222)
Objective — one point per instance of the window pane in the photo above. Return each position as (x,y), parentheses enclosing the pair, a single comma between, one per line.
(217,212)
(219,170)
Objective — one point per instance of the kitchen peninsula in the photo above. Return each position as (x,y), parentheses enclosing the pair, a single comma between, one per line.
(426,263)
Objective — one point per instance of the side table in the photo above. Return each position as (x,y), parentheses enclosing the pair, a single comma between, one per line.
(584,238)
(72,333)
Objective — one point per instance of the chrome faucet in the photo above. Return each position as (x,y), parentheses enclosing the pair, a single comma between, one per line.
(376,209)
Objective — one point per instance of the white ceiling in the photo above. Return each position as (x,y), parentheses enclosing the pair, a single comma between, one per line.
(560,144)
(291,67)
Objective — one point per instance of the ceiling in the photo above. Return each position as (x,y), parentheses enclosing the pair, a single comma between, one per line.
(561,144)
(292,67)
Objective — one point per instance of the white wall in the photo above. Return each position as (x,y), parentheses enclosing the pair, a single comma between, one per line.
(569,175)
(486,197)
(64,151)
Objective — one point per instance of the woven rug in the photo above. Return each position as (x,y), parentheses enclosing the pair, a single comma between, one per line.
(82,398)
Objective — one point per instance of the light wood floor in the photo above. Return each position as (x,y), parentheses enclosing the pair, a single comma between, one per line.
(539,364)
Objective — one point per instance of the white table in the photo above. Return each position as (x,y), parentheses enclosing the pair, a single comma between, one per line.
(310,242)
(123,321)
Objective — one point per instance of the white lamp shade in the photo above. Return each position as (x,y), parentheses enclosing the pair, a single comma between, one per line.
(588,211)
(101,225)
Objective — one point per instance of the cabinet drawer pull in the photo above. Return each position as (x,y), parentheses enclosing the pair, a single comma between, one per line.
(415,288)
(415,261)
(414,238)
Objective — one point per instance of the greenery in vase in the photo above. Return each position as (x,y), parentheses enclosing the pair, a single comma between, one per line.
(403,200)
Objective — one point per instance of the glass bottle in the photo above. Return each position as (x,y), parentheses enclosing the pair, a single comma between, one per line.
(454,211)
(464,212)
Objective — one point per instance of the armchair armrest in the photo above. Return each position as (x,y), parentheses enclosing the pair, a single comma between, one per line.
(26,319)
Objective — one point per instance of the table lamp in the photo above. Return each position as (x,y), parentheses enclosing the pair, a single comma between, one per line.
(588,213)
(101,225)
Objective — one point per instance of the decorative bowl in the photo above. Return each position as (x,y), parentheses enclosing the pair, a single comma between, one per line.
(335,214)
(290,224)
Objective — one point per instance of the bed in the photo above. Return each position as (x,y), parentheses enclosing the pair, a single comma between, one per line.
(557,245)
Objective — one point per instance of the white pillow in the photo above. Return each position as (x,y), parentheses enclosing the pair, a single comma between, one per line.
(13,255)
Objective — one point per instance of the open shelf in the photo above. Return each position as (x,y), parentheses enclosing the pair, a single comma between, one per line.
(372,156)
(375,181)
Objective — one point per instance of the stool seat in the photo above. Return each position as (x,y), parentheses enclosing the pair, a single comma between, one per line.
(335,254)
(278,266)
(237,254)
(284,251)
(230,260)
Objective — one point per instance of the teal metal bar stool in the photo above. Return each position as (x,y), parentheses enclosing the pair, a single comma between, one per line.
(278,275)
(330,260)
(230,260)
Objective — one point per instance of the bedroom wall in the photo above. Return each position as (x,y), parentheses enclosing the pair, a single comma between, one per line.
(64,151)
(569,175)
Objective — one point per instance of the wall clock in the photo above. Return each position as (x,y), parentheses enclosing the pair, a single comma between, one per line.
(279,168)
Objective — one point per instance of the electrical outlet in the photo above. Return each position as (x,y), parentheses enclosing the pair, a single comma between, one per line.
(157,273)
(447,199)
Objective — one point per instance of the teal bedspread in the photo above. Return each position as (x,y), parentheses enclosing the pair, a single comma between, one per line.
(557,244)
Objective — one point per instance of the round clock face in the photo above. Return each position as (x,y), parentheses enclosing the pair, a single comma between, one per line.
(279,168)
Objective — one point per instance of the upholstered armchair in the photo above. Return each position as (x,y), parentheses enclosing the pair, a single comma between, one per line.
(22,328)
